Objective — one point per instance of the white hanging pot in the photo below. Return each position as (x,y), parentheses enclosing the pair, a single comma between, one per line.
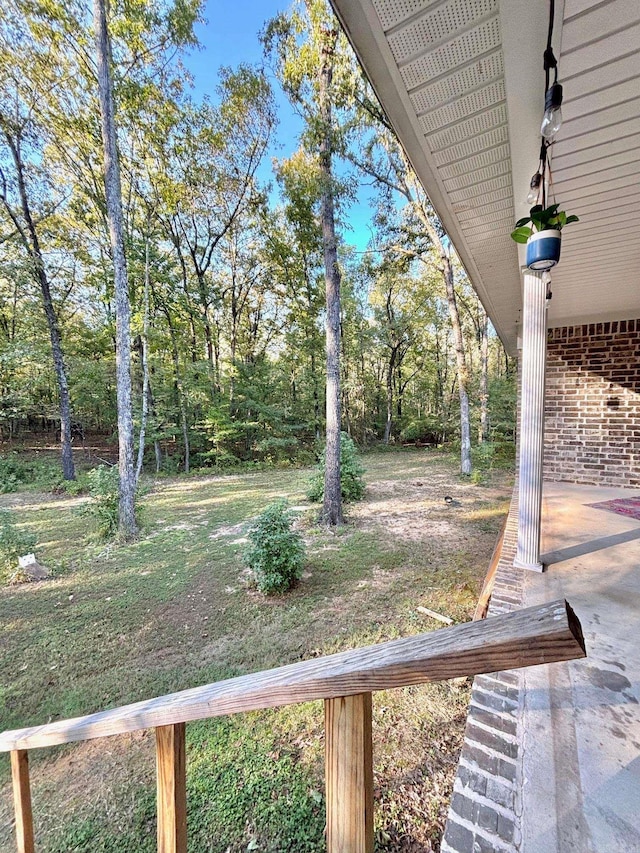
(543,250)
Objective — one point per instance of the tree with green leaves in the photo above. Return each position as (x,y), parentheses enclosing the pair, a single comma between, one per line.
(113,190)
(311,53)
(381,157)
(26,197)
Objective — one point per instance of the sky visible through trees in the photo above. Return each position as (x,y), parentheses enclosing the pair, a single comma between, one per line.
(230,36)
(287,277)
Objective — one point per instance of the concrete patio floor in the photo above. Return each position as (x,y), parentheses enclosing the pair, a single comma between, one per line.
(580,721)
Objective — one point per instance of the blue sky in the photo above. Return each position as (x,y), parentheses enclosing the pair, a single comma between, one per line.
(229,37)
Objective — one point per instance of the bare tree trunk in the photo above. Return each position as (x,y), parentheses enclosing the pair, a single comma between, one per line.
(31,243)
(145,364)
(314,377)
(180,394)
(332,505)
(461,362)
(484,378)
(407,184)
(389,421)
(454,315)
(316,396)
(127,520)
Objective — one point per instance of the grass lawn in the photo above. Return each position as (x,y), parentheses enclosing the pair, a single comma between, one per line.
(119,623)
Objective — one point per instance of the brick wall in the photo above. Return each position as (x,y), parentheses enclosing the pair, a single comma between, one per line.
(592,416)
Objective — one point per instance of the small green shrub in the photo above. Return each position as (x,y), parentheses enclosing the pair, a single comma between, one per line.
(103,507)
(17,472)
(14,543)
(276,555)
(493,454)
(351,474)
(79,486)
(482,455)
(422,431)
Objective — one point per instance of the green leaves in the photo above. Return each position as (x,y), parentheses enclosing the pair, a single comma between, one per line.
(14,540)
(541,219)
(276,555)
(522,232)
(351,474)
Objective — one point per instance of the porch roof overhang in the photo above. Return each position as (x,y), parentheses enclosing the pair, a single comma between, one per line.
(462,83)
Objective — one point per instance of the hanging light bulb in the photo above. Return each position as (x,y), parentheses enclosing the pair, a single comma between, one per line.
(552,118)
(534,188)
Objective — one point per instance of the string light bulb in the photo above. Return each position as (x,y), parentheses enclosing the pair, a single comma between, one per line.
(534,188)
(552,119)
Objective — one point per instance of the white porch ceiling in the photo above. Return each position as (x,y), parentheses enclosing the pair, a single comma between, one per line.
(462,83)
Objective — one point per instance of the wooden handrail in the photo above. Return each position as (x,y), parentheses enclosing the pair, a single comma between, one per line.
(345,682)
(543,634)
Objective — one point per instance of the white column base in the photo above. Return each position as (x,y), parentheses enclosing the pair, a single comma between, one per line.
(532,567)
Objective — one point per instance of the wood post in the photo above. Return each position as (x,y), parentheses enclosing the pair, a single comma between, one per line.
(22,800)
(172,790)
(349,774)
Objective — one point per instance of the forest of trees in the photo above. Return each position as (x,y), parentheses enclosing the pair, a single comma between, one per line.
(256,329)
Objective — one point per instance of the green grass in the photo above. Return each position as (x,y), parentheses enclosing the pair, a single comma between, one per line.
(119,623)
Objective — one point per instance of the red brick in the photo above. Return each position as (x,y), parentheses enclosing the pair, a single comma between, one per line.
(593,403)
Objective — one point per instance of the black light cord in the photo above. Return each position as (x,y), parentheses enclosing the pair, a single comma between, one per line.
(549,58)
(550,62)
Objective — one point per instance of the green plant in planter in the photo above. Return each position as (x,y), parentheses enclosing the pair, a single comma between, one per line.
(541,219)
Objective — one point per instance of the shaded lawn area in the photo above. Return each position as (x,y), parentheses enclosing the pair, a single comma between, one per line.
(120,623)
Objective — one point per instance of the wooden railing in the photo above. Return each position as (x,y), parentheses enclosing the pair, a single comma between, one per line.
(345,681)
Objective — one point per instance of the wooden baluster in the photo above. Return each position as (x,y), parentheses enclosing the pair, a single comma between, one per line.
(22,800)
(349,774)
(172,790)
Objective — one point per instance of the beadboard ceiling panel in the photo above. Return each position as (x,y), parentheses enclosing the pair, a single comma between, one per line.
(461,82)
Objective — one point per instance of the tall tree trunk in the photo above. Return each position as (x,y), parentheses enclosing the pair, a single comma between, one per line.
(316,395)
(456,327)
(31,243)
(145,364)
(178,388)
(461,363)
(407,184)
(484,377)
(113,189)
(310,338)
(363,387)
(344,384)
(389,421)
(332,505)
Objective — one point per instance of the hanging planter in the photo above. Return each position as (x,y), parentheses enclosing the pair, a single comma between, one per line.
(543,236)
(543,250)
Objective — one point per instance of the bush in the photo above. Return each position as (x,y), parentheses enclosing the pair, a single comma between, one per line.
(351,474)
(103,507)
(17,471)
(14,543)
(493,454)
(276,556)
(423,431)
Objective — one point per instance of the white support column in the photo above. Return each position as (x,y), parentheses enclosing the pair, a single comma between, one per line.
(534,351)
